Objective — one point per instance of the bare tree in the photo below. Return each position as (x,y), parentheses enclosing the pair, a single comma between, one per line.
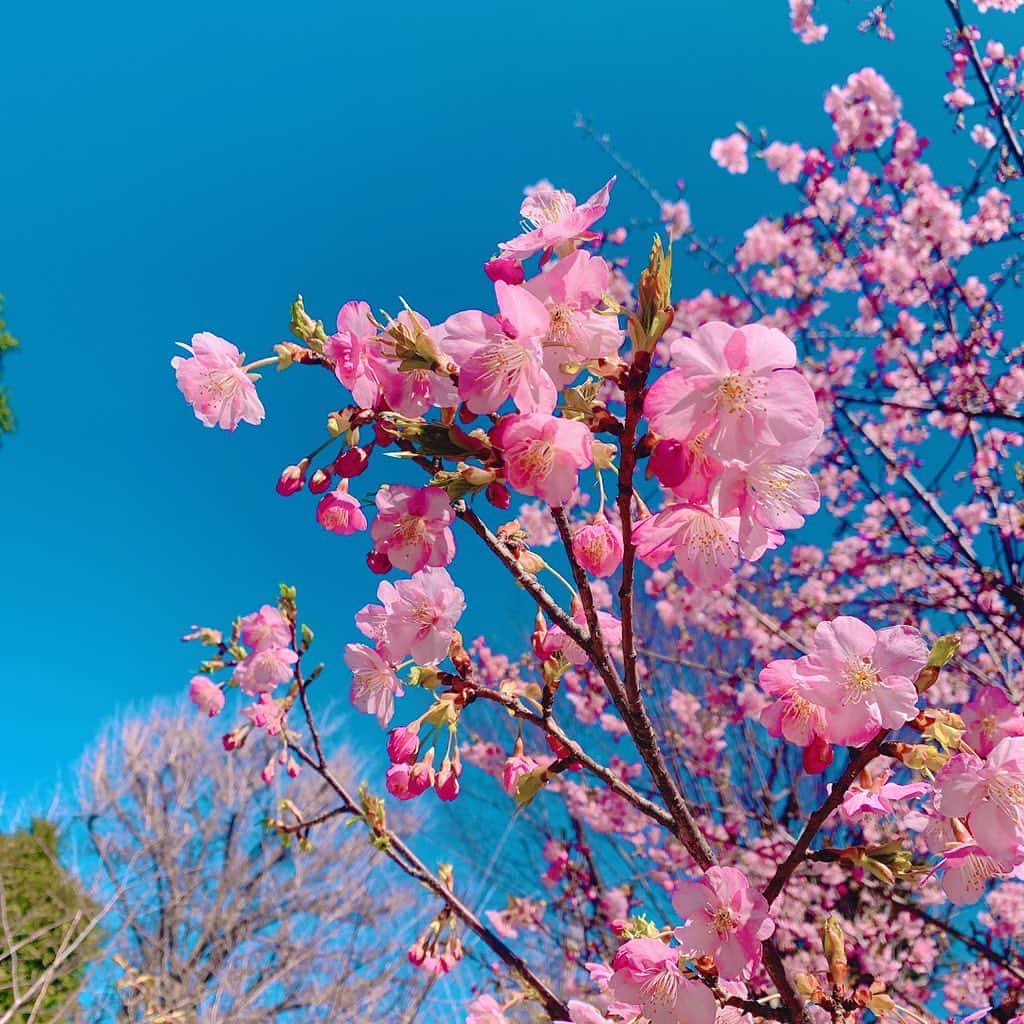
(219,918)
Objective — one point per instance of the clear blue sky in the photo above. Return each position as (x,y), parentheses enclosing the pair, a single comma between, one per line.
(191,166)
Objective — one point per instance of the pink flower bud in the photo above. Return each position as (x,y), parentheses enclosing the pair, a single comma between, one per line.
(817,755)
(320,481)
(351,462)
(446,782)
(403,745)
(269,771)
(234,739)
(506,269)
(378,562)
(406,782)
(598,547)
(206,695)
(292,479)
(293,768)
(498,495)
(339,512)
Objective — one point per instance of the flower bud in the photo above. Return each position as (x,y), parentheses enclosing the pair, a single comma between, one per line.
(498,495)
(320,481)
(378,562)
(292,478)
(598,547)
(403,745)
(504,268)
(351,462)
(834,945)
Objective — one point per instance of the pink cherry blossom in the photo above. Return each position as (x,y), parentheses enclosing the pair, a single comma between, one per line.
(705,545)
(413,390)
(207,696)
(739,385)
(597,546)
(374,682)
(731,153)
(351,348)
(583,1013)
(416,616)
(555,222)
(216,384)
(990,716)
(266,713)
(264,670)
(265,628)
(647,976)
(412,527)
(864,111)
(875,794)
(496,365)
(543,454)
(486,1009)
(989,795)
(863,678)
(558,307)
(793,715)
(340,512)
(728,919)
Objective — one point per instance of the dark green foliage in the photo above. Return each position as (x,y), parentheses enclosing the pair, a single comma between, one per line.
(43,912)
(7,341)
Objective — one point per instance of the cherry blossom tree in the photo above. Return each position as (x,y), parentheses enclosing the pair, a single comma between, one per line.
(764,743)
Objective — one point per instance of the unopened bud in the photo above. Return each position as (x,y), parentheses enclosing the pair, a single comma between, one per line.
(498,495)
(834,946)
(292,478)
(320,481)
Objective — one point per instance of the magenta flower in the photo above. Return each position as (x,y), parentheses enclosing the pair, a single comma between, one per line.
(374,682)
(486,1009)
(543,454)
(207,696)
(730,153)
(875,794)
(863,679)
(739,385)
(412,527)
(989,795)
(215,383)
(558,307)
(417,618)
(265,628)
(350,349)
(411,391)
(339,512)
(266,713)
(967,870)
(793,716)
(647,976)
(555,222)
(264,670)
(705,545)
(728,920)
(495,366)
(597,546)
(990,716)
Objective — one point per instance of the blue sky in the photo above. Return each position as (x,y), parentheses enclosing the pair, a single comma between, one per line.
(185,167)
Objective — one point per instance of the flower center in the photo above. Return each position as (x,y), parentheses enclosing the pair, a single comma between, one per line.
(548,207)
(661,990)
(723,922)
(536,461)
(734,392)
(335,517)
(705,538)
(560,333)
(412,529)
(860,678)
